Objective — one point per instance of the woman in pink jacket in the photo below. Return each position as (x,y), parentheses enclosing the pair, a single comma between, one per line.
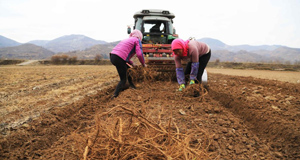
(198,55)
(122,53)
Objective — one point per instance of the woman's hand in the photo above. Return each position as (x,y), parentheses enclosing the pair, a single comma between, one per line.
(129,65)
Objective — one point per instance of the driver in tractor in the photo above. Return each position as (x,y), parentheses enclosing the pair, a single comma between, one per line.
(156,28)
(198,55)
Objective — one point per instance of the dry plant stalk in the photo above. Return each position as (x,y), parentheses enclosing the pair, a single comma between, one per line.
(128,134)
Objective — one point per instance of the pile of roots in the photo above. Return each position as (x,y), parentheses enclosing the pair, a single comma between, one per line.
(123,133)
(151,74)
(195,90)
(128,131)
(142,74)
(148,75)
(129,127)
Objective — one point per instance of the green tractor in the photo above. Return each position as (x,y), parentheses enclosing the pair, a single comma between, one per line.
(158,32)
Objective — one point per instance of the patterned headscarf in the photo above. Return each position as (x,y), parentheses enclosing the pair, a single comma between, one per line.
(180,44)
(136,33)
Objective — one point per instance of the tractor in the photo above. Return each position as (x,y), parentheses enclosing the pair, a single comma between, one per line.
(158,34)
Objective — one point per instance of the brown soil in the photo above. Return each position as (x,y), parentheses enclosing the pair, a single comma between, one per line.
(238,118)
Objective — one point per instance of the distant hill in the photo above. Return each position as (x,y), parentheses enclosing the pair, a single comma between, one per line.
(220,50)
(219,45)
(90,53)
(241,56)
(248,53)
(214,43)
(87,48)
(25,51)
(41,43)
(288,54)
(6,42)
(253,48)
(69,43)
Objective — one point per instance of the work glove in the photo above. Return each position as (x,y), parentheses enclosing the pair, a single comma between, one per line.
(181,87)
(180,76)
(194,70)
(192,82)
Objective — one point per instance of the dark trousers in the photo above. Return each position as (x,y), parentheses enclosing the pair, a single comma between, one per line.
(122,68)
(203,60)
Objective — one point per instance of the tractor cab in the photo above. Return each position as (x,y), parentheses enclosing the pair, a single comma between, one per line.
(158,34)
(158,31)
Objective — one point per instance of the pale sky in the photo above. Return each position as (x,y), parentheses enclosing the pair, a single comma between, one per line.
(234,22)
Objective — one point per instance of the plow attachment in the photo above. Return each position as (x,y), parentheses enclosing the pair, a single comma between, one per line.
(160,60)
(163,67)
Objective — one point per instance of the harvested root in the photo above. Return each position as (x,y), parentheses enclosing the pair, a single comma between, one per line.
(150,74)
(140,73)
(128,134)
(195,90)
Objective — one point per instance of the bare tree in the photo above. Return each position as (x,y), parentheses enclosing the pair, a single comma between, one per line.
(98,58)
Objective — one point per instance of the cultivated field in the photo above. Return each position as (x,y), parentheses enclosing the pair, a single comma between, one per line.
(65,112)
(28,91)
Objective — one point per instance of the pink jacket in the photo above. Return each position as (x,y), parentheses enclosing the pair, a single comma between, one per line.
(195,50)
(127,48)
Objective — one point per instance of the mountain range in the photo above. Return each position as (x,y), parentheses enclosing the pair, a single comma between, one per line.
(87,48)
(25,51)
(6,42)
(68,43)
(248,53)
